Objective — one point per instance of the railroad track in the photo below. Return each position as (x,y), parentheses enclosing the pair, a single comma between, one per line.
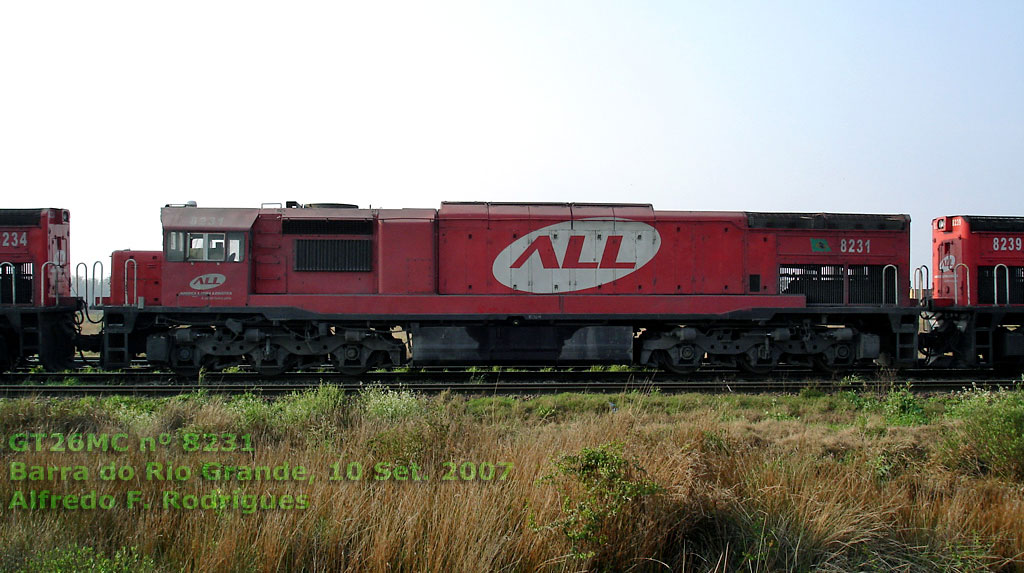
(142,375)
(504,383)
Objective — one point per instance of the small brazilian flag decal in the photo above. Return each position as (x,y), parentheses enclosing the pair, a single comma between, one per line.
(820,246)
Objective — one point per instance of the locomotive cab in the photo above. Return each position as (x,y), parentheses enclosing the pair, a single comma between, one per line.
(206,256)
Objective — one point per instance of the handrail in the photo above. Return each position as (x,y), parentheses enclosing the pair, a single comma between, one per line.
(90,287)
(956,284)
(100,283)
(135,281)
(895,283)
(42,282)
(922,275)
(85,277)
(995,284)
(14,280)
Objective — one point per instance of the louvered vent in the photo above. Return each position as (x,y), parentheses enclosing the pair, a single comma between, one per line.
(334,255)
(327,226)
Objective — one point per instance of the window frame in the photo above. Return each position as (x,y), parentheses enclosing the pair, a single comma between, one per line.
(178,246)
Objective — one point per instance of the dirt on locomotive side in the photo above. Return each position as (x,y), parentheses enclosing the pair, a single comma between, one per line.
(386,480)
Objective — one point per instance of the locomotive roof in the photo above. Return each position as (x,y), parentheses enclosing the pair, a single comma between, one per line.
(994,224)
(542,204)
(20,217)
(840,221)
(232,219)
(185,218)
(480,210)
(207,218)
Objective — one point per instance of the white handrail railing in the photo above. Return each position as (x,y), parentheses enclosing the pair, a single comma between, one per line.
(14,280)
(922,277)
(42,281)
(135,280)
(995,284)
(956,283)
(895,283)
(100,283)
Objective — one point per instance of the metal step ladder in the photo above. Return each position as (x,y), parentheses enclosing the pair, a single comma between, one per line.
(983,331)
(29,334)
(116,353)
(906,339)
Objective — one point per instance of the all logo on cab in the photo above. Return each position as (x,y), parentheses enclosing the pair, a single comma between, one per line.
(576,255)
(207,282)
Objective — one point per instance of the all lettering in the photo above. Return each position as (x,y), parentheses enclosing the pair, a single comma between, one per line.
(544,248)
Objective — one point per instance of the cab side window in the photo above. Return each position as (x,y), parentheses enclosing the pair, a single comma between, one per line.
(236,247)
(205,247)
(196,246)
(174,247)
(215,247)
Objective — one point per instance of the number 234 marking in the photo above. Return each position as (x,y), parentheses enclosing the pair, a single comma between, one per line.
(14,239)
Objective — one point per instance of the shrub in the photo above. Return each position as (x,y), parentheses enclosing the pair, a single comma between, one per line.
(600,489)
(87,559)
(991,435)
(389,405)
(903,409)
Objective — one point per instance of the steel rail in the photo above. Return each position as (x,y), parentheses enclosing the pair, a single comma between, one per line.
(502,388)
(140,376)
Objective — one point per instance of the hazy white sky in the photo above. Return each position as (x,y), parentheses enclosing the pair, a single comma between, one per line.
(112,109)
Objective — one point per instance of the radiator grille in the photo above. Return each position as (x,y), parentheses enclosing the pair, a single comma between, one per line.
(353,255)
(987,281)
(870,283)
(821,284)
(22,282)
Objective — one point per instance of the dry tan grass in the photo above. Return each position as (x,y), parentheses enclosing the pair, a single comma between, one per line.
(750,494)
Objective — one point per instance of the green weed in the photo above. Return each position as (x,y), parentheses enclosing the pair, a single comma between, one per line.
(990,435)
(88,560)
(902,408)
(598,488)
(389,405)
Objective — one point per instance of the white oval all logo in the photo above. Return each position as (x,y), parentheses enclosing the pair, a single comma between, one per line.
(207,282)
(576,255)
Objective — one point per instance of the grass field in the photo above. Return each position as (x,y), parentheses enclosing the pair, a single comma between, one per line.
(639,482)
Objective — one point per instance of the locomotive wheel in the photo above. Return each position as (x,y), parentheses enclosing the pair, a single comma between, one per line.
(350,361)
(665,361)
(822,364)
(376,359)
(283,363)
(273,363)
(749,366)
(750,363)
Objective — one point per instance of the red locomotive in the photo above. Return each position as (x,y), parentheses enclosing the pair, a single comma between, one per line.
(979,292)
(36,308)
(544,284)
(499,283)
